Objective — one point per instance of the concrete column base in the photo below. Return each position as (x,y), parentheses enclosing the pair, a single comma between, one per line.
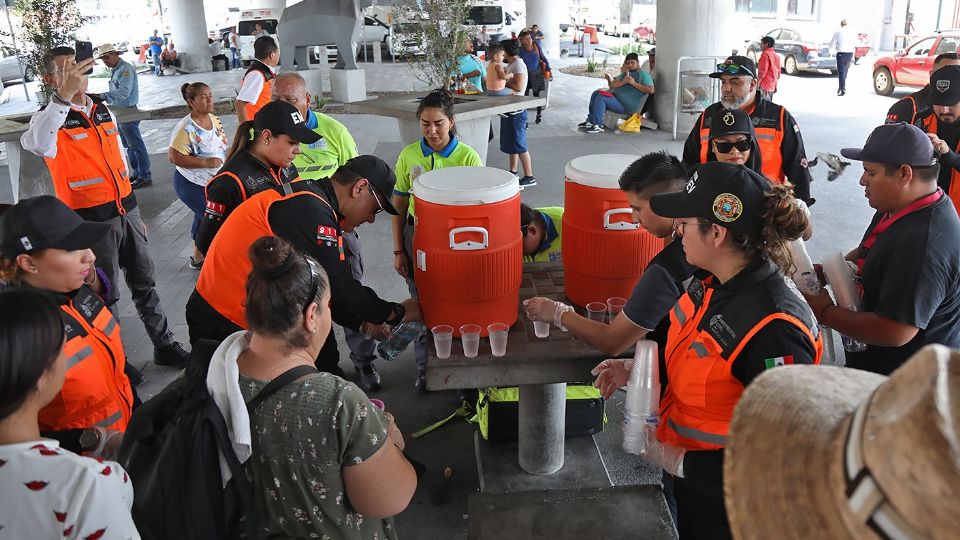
(543,410)
(348,85)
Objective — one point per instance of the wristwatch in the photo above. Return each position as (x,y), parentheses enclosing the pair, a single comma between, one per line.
(398,313)
(57,99)
(89,439)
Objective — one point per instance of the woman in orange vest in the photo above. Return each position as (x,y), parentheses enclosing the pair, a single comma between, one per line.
(729,327)
(46,246)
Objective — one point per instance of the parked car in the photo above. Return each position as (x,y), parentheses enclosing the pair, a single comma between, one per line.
(10,67)
(407,40)
(646,31)
(911,66)
(796,54)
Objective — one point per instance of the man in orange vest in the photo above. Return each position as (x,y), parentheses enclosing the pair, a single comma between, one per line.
(778,134)
(78,138)
(255,86)
(942,124)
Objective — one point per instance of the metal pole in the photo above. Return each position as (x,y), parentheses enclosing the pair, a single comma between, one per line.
(23,74)
(939,10)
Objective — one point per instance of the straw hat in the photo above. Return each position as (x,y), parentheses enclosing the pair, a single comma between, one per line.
(825,452)
(104,50)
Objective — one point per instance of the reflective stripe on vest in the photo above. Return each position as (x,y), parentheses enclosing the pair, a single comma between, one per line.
(696,434)
(79,356)
(929,124)
(110,419)
(78,136)
(314,168)
(89,182)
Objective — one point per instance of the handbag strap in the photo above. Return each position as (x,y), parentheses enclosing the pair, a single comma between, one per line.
(279,382)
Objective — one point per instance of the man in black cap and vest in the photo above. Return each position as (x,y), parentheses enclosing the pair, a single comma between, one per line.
(777,133)
(942,126)
(917,104)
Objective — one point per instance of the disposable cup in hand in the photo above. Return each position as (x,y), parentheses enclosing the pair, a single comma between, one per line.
(470,338)
(498,338)
(615,306)
(442,340)
(541,329)
(597,311)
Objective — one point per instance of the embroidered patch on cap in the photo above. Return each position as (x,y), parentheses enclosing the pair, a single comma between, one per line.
(727,207)
(943,85)
(728,119)
(25,242)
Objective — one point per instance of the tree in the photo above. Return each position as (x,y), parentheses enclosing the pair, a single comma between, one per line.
(45,24)
(442,34)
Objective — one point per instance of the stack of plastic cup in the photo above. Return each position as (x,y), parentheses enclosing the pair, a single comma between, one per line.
(470,338)
(615,306)
(597,311)
(442,340)
(498,338)
(642,406)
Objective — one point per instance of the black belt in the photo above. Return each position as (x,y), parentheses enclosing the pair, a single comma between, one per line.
(409,219)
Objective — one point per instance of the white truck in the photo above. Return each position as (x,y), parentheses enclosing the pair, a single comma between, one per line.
(247,24)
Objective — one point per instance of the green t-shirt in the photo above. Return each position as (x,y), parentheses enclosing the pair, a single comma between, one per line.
(549,250)
(336,147)
(303,437)
(629,96)
(418,158)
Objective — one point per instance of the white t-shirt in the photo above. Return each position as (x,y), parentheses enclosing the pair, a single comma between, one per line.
(517,67)
(190,139)
(49,492)
(234,40)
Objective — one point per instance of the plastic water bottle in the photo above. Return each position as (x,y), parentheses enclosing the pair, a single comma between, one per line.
(805,277)
(403,334)
(642,407)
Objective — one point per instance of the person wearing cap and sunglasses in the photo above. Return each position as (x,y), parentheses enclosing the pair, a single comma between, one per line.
(45,246)
(313,216)
(942,125)
(727,329)
(777,133)
(261,157)
(908,263)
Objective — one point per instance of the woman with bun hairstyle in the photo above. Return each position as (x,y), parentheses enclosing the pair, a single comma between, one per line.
(438,148)
(344,455)
(45,247)
(47,491)
(198,147)
(742,319)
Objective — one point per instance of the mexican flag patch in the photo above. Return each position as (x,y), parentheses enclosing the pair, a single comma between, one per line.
(778,361)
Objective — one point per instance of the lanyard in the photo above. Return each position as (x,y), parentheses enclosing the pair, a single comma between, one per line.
(887,221)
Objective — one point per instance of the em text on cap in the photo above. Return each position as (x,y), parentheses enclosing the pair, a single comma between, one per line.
(378,173)
(895,144)
(740,66)
(282,118)
(945,86)
(731,196)
(44,222)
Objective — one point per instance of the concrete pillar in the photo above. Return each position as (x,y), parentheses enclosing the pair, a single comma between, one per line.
(547,14)
(188,31)
(264,4)
(543,412)
(690,28)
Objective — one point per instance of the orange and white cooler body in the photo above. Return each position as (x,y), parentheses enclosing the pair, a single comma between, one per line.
(467,246)
(604,251)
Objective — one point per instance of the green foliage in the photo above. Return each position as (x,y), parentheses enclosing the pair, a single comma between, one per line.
(629,48)
(45,24)
(442,34)
(591,63)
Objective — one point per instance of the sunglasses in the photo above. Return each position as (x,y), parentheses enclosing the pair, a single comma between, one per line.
(734,69)
(727,147)
(379,206)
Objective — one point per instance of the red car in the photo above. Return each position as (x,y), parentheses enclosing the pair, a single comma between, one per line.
(647,31)
(911,66)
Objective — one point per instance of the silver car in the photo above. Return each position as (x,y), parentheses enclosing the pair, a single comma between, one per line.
(10,67)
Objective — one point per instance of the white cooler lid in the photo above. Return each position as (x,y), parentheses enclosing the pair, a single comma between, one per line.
(465,186)
(598,170)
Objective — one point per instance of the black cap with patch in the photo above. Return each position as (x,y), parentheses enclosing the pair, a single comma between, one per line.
(945,86)
(378,173)
(736,65)
(282,118)
(45,222)
(730,122)
(731,196)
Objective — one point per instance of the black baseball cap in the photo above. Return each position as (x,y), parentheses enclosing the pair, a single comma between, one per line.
(895,144)
(945,86)
(378,173)
(730,122)
(736,65)
(45,222)
(282,118)
(731,196)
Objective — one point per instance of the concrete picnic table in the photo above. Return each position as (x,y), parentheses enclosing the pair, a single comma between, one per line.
(540,367)
(472,114)
(29,175)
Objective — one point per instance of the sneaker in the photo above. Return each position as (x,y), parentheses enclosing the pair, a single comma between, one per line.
(137,182)
(171,355)
(584,125)
(421,385)
(594,129)
(539,119)
(527,181)
(369,378)
(195,264)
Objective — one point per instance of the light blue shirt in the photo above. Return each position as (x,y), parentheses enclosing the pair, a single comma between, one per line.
(124,91)
(467,63)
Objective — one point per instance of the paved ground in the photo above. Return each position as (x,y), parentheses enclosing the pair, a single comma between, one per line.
(828,123)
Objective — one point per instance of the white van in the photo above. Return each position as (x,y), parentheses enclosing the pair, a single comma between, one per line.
(247,25)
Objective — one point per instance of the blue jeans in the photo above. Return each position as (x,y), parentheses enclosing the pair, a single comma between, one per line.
(192,195)
(236,57)
(599,105)
(136,150)
(504,92)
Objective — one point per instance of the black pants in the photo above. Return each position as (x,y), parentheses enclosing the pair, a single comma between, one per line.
(700,515)
(843,65)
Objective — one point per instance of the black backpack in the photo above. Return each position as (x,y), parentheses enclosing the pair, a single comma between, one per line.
(170,450)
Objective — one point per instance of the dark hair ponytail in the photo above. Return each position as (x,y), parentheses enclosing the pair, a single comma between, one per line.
(242,139)
(439,98)
(783,222)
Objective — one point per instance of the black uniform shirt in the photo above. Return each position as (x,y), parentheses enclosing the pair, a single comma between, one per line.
(910,108)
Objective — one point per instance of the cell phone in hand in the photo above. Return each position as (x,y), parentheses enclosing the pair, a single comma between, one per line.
(84,51)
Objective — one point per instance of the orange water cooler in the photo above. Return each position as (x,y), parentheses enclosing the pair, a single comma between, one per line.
(467,246)
(604,251)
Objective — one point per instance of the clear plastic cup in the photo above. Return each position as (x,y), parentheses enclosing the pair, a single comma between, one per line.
(470,338)
(541,329)
(498,338)
(615,306)
(597,311)
(442,340)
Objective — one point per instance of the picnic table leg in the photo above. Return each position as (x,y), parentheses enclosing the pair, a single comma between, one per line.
(543,409)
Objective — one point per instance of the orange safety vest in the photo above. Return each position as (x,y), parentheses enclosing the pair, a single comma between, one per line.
(929,125)
(96,391)
(223,278)
(702,392)
(88,171)
(768,130)
(264,96)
